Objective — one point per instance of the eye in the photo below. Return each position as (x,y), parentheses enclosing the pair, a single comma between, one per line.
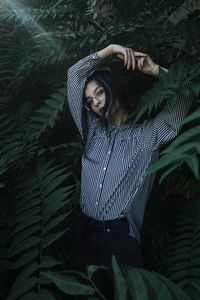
(100,92)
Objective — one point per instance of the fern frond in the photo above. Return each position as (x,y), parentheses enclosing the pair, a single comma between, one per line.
(184,257)
(48,115)
(176,80)
(40,198)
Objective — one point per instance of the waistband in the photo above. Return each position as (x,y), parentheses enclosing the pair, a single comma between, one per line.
(98,223)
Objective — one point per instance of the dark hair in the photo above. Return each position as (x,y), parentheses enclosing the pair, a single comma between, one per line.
(115,87)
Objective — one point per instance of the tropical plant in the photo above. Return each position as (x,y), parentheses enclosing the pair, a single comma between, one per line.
(40,147)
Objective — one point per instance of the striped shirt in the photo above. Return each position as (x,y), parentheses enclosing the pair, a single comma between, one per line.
(115,157)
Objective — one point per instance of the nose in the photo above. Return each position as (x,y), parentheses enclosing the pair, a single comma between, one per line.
(96,102)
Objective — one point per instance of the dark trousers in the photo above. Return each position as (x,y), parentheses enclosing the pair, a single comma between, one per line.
(93,242)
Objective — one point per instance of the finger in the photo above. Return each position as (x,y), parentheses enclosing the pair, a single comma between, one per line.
(129,60)
(140,54)
(125,58)
(142,62)
(133,59)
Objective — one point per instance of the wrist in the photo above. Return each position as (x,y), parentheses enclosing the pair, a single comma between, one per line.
(155,70)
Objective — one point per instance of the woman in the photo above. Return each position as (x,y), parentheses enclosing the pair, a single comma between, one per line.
(116,155)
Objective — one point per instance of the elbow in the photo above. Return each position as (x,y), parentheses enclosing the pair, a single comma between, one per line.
(70,71)
(173,132)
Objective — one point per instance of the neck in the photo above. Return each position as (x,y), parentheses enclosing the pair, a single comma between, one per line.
(119,117)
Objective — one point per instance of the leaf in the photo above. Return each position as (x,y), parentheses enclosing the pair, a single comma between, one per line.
(45,295)
(157,286)
(24,234)
(195,116)
(1,185)
(181,266)
(54,222)
(92,269)
(26,205)
(178,276)
(51,238)
(23,288)
(120,283)
(194,273)
(193,163)
(183,236)
(27,214)
(185,137)
(174,289)
(69,285)
(29,296)
(24,275)
(26,258)
(179,257)
(28,243)
(137,286)
(26,223)
(168,172)
(53,185)
(195,285)
(48,261)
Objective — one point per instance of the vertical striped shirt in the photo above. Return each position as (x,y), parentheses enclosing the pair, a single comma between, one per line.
(116,157)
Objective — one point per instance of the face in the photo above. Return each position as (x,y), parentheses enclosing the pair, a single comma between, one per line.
(95,97)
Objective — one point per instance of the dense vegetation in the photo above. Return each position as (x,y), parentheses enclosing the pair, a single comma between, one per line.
(40,147)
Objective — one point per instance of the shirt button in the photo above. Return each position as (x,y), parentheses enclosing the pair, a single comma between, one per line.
(96,203)
(104,168)
(108,229)
(100,185)
(108,152)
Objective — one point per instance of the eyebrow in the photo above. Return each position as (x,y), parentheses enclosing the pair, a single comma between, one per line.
(94,91)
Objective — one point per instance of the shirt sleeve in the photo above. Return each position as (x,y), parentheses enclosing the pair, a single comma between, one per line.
(76,78)
(167,124)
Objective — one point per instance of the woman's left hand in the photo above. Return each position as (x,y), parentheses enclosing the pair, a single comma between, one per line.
(145,64)
(134,60)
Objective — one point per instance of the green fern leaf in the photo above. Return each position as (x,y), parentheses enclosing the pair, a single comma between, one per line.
(175,290)
(194,117)
(55,221)
(26,258)
(137,286)
(179,266)
(29,213)
(48,261)
(193,163)
(30,296)
(19,291)
(25,224)
(69,285)
(120,283)
(26,244)
(25,205)
(51,238)
(24,275)
(24,234)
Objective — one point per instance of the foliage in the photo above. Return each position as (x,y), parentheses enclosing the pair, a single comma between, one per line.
(184,253)
(40,147)
(41,206)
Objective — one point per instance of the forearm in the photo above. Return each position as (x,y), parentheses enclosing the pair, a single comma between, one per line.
(77,75)
(106,52)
